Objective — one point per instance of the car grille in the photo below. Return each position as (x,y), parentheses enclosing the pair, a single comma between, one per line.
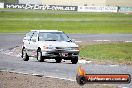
(63,48)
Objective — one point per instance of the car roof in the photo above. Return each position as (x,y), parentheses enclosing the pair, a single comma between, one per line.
(46,30)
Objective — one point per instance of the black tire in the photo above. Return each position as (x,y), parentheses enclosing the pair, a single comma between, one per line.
(58,60)
(24,55)
(39,56)
(74,60)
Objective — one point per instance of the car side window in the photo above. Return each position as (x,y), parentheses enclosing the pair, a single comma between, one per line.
(28,36)
(34,36)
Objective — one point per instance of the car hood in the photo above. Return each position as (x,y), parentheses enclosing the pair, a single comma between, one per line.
(58,44)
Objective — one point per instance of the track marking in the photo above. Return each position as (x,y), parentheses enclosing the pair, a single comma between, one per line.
(101,40)
(113,65)
(128,41)
(38,75)
(125,87)
(84,61)
(78,41)
(60,78)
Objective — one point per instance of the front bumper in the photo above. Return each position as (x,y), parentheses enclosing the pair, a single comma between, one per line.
(60,53)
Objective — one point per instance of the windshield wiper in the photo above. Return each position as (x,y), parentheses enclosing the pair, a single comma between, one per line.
(50,40)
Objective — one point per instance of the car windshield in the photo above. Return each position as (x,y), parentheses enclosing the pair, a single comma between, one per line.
(53,36)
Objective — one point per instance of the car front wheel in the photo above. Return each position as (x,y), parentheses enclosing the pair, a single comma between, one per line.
(24,55)
(74,60)
(58,60)
(39,56)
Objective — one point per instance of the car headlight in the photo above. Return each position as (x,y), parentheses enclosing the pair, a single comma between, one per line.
(75,48)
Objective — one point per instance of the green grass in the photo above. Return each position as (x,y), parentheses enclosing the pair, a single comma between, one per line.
(8,1)
(118,52)
(67,21)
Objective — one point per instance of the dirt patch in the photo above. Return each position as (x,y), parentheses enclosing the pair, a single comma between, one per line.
(13,80)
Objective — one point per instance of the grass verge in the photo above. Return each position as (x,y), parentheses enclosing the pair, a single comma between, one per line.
(115,52)
(69,22)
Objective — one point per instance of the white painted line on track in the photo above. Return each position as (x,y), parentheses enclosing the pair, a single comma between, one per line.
(60,78)
(38,75)
(125,87)
(84,61)
(101,40)
(113,65)
(78,41)
(128,41)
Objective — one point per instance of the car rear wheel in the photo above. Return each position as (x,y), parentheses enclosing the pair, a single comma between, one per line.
(39,56)
(74,60)
(24,55)
(58,60)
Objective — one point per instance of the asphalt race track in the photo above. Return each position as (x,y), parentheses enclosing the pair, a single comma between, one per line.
(64,70)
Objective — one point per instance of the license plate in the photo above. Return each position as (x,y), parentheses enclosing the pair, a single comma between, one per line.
(64,54)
